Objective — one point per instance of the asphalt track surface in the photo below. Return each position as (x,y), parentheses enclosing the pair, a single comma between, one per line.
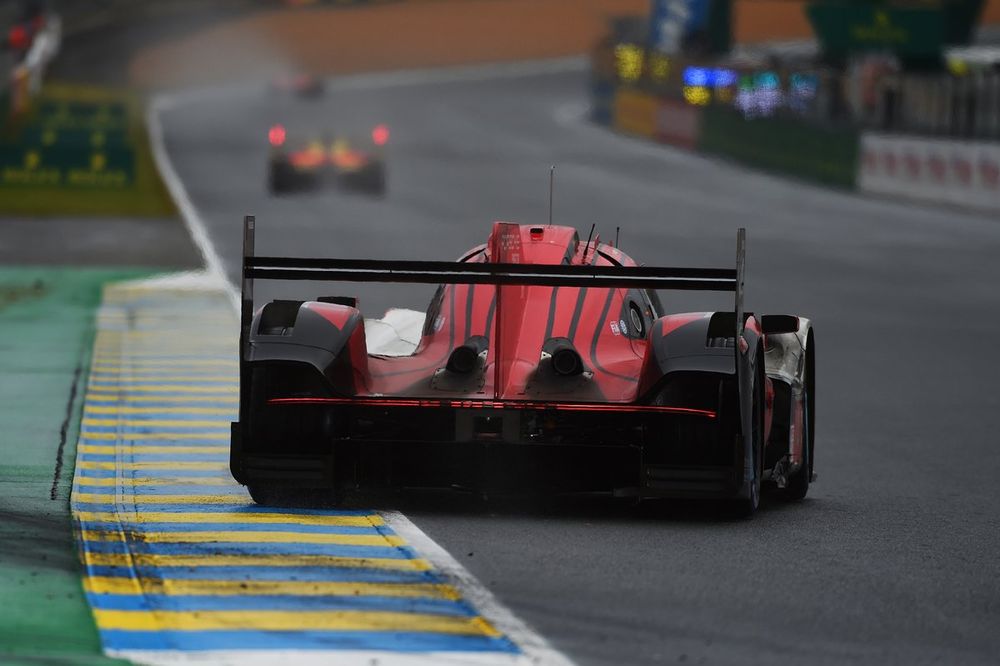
(891,559)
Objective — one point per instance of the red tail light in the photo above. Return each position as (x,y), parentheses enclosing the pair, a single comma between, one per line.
(18,38)
(276,135)
(380,135)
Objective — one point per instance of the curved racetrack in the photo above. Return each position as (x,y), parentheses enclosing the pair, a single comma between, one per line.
(891,559)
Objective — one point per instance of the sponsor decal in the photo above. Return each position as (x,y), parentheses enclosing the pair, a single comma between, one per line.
(938,168)
(889,158)
(614,328)
(962,168)
(989,172)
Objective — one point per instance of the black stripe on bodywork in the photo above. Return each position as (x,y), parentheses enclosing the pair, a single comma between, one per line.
(578,310)
(571,249)
(597,335)
(468,310)
(490,313)
(552,314)
(581,298)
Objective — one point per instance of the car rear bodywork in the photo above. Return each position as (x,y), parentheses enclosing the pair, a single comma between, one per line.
(545,364)
(296,165)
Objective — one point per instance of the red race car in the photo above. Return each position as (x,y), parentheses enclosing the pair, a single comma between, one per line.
(544,362)
(307,163)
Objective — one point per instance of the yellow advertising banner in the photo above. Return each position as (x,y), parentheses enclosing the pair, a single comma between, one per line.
(635,112)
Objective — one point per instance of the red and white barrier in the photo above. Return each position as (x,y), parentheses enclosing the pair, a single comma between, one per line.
(961,173)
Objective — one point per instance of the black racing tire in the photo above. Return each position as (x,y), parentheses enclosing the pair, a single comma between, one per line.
(276,183)
(798,484)
(746,507)
(371,181)
(265,495)
(378,182)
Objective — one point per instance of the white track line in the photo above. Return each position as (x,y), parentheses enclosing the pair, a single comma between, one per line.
(214,270)
(317,658)
(536,650)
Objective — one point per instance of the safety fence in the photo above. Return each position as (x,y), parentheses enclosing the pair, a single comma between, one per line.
(752,120)
(785,145)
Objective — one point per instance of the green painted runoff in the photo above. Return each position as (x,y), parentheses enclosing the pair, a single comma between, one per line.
(46,335)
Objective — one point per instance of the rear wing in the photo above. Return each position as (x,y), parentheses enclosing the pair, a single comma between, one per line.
(451,272)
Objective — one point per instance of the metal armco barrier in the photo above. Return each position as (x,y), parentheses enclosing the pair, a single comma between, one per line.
(962,173)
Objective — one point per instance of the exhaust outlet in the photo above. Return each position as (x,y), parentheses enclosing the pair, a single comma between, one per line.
(564,358)
(465,359)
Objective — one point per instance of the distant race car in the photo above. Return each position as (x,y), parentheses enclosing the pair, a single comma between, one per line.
(545,363)
(304,164)
(300,84)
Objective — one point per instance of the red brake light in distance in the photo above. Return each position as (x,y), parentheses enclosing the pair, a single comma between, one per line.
(380,135)
(276,135)
(18,38)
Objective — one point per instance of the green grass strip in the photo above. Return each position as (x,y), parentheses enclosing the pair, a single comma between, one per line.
(46,336)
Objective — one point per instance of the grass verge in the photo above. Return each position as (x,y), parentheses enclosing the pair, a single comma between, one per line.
(46,337)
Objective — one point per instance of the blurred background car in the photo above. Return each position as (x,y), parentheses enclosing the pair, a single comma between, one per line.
(311,161)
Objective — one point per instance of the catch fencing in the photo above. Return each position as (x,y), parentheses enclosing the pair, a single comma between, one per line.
(932,137)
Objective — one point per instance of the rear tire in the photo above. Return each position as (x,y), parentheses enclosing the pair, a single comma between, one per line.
(275,186)
(745,507)
(280,496)
(374,182)
(798,485)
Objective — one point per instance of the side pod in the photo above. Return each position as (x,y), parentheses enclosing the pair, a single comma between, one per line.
(327,337)
(294,349)
(692,342)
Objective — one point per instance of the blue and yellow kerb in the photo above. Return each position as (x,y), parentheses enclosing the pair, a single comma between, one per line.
(178,557)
